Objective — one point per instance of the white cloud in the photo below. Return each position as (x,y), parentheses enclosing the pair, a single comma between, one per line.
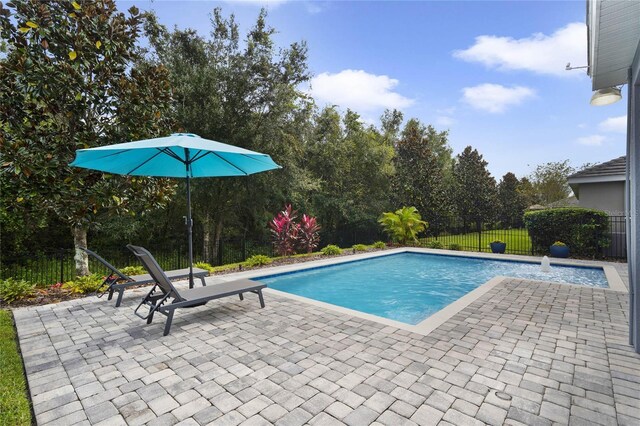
(614,124)
(358,90)
(272,3)
(593,140)
(444,121)
(539,53)
(495,98)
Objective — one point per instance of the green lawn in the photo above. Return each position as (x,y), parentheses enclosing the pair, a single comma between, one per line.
(14,404)
(518,241)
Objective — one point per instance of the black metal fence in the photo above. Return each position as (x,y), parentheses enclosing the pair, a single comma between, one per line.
(50,267)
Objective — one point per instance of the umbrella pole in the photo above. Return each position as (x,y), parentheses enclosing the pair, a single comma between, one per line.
(189,220)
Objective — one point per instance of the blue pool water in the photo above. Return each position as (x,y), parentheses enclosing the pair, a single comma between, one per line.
(410,287)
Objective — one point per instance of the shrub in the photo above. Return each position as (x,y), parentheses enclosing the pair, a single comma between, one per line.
(497,242)
(403,225)
(434,245)
(290,237)
(258,260)
(331,250)
(204,265)
(584,230)
(308,234)
(379,245)
(284,231)
(455,246)
(359,247)
(85,284)
(133,270)
(559,244)
(12,290)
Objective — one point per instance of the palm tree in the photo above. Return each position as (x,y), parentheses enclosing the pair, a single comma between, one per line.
(403,225)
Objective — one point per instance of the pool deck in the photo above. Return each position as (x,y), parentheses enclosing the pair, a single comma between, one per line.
(558,353)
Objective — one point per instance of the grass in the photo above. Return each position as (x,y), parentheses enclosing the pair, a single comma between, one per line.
(14,404)
(518,241)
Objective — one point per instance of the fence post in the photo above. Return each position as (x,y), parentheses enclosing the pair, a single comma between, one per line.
(220,248)
(61,265)
(479,226)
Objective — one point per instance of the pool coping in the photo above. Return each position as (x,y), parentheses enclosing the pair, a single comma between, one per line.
(429,324)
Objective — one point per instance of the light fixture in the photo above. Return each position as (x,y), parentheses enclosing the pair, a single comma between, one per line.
(607,96)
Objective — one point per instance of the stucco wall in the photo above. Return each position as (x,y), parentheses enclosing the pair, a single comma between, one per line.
(606,196)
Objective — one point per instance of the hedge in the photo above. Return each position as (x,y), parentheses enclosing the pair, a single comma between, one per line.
(585,231)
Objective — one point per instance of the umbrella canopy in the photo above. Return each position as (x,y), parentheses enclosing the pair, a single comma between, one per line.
(180,155)
(169,156)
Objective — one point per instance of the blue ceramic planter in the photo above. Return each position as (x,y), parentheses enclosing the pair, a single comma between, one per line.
(498,247)
(559,251)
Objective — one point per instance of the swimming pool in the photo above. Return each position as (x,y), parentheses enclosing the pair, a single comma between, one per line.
(409,287)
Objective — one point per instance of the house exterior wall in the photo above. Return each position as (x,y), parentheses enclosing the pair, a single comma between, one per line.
(633,200)
(605,196)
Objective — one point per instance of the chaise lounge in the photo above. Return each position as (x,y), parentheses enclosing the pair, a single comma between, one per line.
(116,281)
(165,298)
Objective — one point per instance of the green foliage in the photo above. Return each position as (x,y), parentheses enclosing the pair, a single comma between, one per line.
(403,225)
(455,246)
(379,244)
(559,244)
(204,265)
(423,163)
(12,290)
(434,245)
(133,270)
(511,202)
(14,402)
(497,242)
(85,284)
(331,250)
(77,79)
(474,187)
(360,247)
(550,181)
(258,260)
(584,230)
(245,91)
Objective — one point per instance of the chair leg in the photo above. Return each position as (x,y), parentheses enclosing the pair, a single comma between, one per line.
(167,325)
(151,313)
(204,283)
(261,298)
(120,294)
(110,294)
(241,296)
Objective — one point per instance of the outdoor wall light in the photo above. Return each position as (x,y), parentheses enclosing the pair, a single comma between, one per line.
(607,96)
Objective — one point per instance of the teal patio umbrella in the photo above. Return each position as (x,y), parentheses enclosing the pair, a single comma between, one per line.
(180,155)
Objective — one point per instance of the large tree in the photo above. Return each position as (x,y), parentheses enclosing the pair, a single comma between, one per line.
(72,78)
(550,181)
(511,202)
(353,165)
(423,158)
(245,92)
(474,188)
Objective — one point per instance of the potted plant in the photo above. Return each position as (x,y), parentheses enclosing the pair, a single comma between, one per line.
(559,249)
(498,246)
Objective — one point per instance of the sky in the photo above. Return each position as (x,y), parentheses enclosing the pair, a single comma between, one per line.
(492,73)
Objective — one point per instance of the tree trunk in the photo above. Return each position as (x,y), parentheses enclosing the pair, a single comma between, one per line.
(206,241)
(81,258)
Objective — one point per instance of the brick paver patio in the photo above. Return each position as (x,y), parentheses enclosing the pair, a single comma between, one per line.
(557,353)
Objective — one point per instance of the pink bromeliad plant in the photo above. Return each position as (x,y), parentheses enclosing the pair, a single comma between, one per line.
(290,236)
(308,235)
